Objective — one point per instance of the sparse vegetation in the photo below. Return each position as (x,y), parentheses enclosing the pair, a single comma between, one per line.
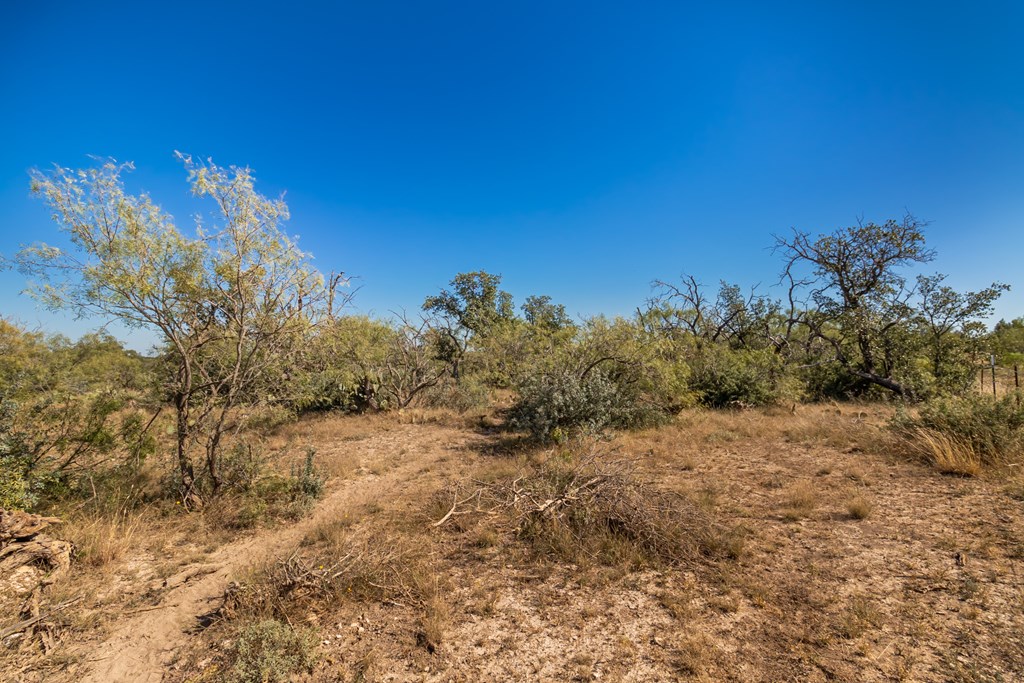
(493,487)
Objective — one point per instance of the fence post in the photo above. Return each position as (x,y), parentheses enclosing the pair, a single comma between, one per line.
(1016,384)
(992,359)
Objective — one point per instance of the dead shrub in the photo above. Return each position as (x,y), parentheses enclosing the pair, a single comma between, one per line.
(335,563)
(335,566)
(590,509)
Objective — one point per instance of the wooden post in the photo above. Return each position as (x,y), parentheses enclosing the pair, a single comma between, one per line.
(992,359)
(1016,384)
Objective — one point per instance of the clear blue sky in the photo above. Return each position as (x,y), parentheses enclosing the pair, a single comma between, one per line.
(580,149)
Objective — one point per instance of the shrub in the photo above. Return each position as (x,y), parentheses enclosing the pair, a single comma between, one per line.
(963,435)
(554,407)
(15,493)
(722,377)
(588,508)
(265,499)
(470,393)
(270,652)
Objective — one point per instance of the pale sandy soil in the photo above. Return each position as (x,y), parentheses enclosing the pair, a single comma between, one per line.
(928,587)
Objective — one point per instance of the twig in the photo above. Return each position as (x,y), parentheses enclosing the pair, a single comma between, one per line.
(148,609)
(455,504)
(22,625)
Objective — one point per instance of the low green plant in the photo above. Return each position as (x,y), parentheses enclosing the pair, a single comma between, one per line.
(267,499)
(308,480)
(270,651)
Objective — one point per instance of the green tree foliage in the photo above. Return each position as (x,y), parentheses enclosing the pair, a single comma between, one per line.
(229,303)
(856,299)
(728,318)
(473,308)
(357,363)
(1007,341)
(724,377)
(541,314)
(850,323)
(950,323)
(65,409)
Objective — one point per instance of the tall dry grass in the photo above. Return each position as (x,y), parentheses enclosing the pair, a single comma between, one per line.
(946,452)
(100,539)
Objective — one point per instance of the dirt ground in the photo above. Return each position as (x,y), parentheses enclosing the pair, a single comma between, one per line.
(856,565)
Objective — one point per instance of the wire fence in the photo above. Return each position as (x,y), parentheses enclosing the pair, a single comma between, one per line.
(1000,381)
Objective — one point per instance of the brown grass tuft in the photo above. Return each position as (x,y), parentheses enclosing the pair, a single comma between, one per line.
(859,506)
(100,540)
(799,501)
(947,453)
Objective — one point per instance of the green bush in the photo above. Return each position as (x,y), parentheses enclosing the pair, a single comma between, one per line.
(722,377)
(554,407)
(270,652)
(470,393)
(15,492)
(266,499)
(992,429)
(309,481)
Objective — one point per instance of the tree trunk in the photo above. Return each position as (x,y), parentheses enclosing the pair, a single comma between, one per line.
(212,465)
(886,382)
(188,481)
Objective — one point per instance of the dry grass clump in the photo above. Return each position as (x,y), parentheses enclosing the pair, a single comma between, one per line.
(859,617)
(588,509)
(799,501)
(852,427)
(946,452)
(859,506)
(102,539)
(965,435)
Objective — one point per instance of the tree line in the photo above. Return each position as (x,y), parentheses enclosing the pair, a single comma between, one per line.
(247,326)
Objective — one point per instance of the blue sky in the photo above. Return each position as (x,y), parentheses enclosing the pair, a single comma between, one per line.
(580,149)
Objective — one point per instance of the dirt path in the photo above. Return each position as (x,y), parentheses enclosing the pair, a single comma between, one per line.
(141,648)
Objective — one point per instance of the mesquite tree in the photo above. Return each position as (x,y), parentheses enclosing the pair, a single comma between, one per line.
(229,303)
(473,307)
(859,303)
